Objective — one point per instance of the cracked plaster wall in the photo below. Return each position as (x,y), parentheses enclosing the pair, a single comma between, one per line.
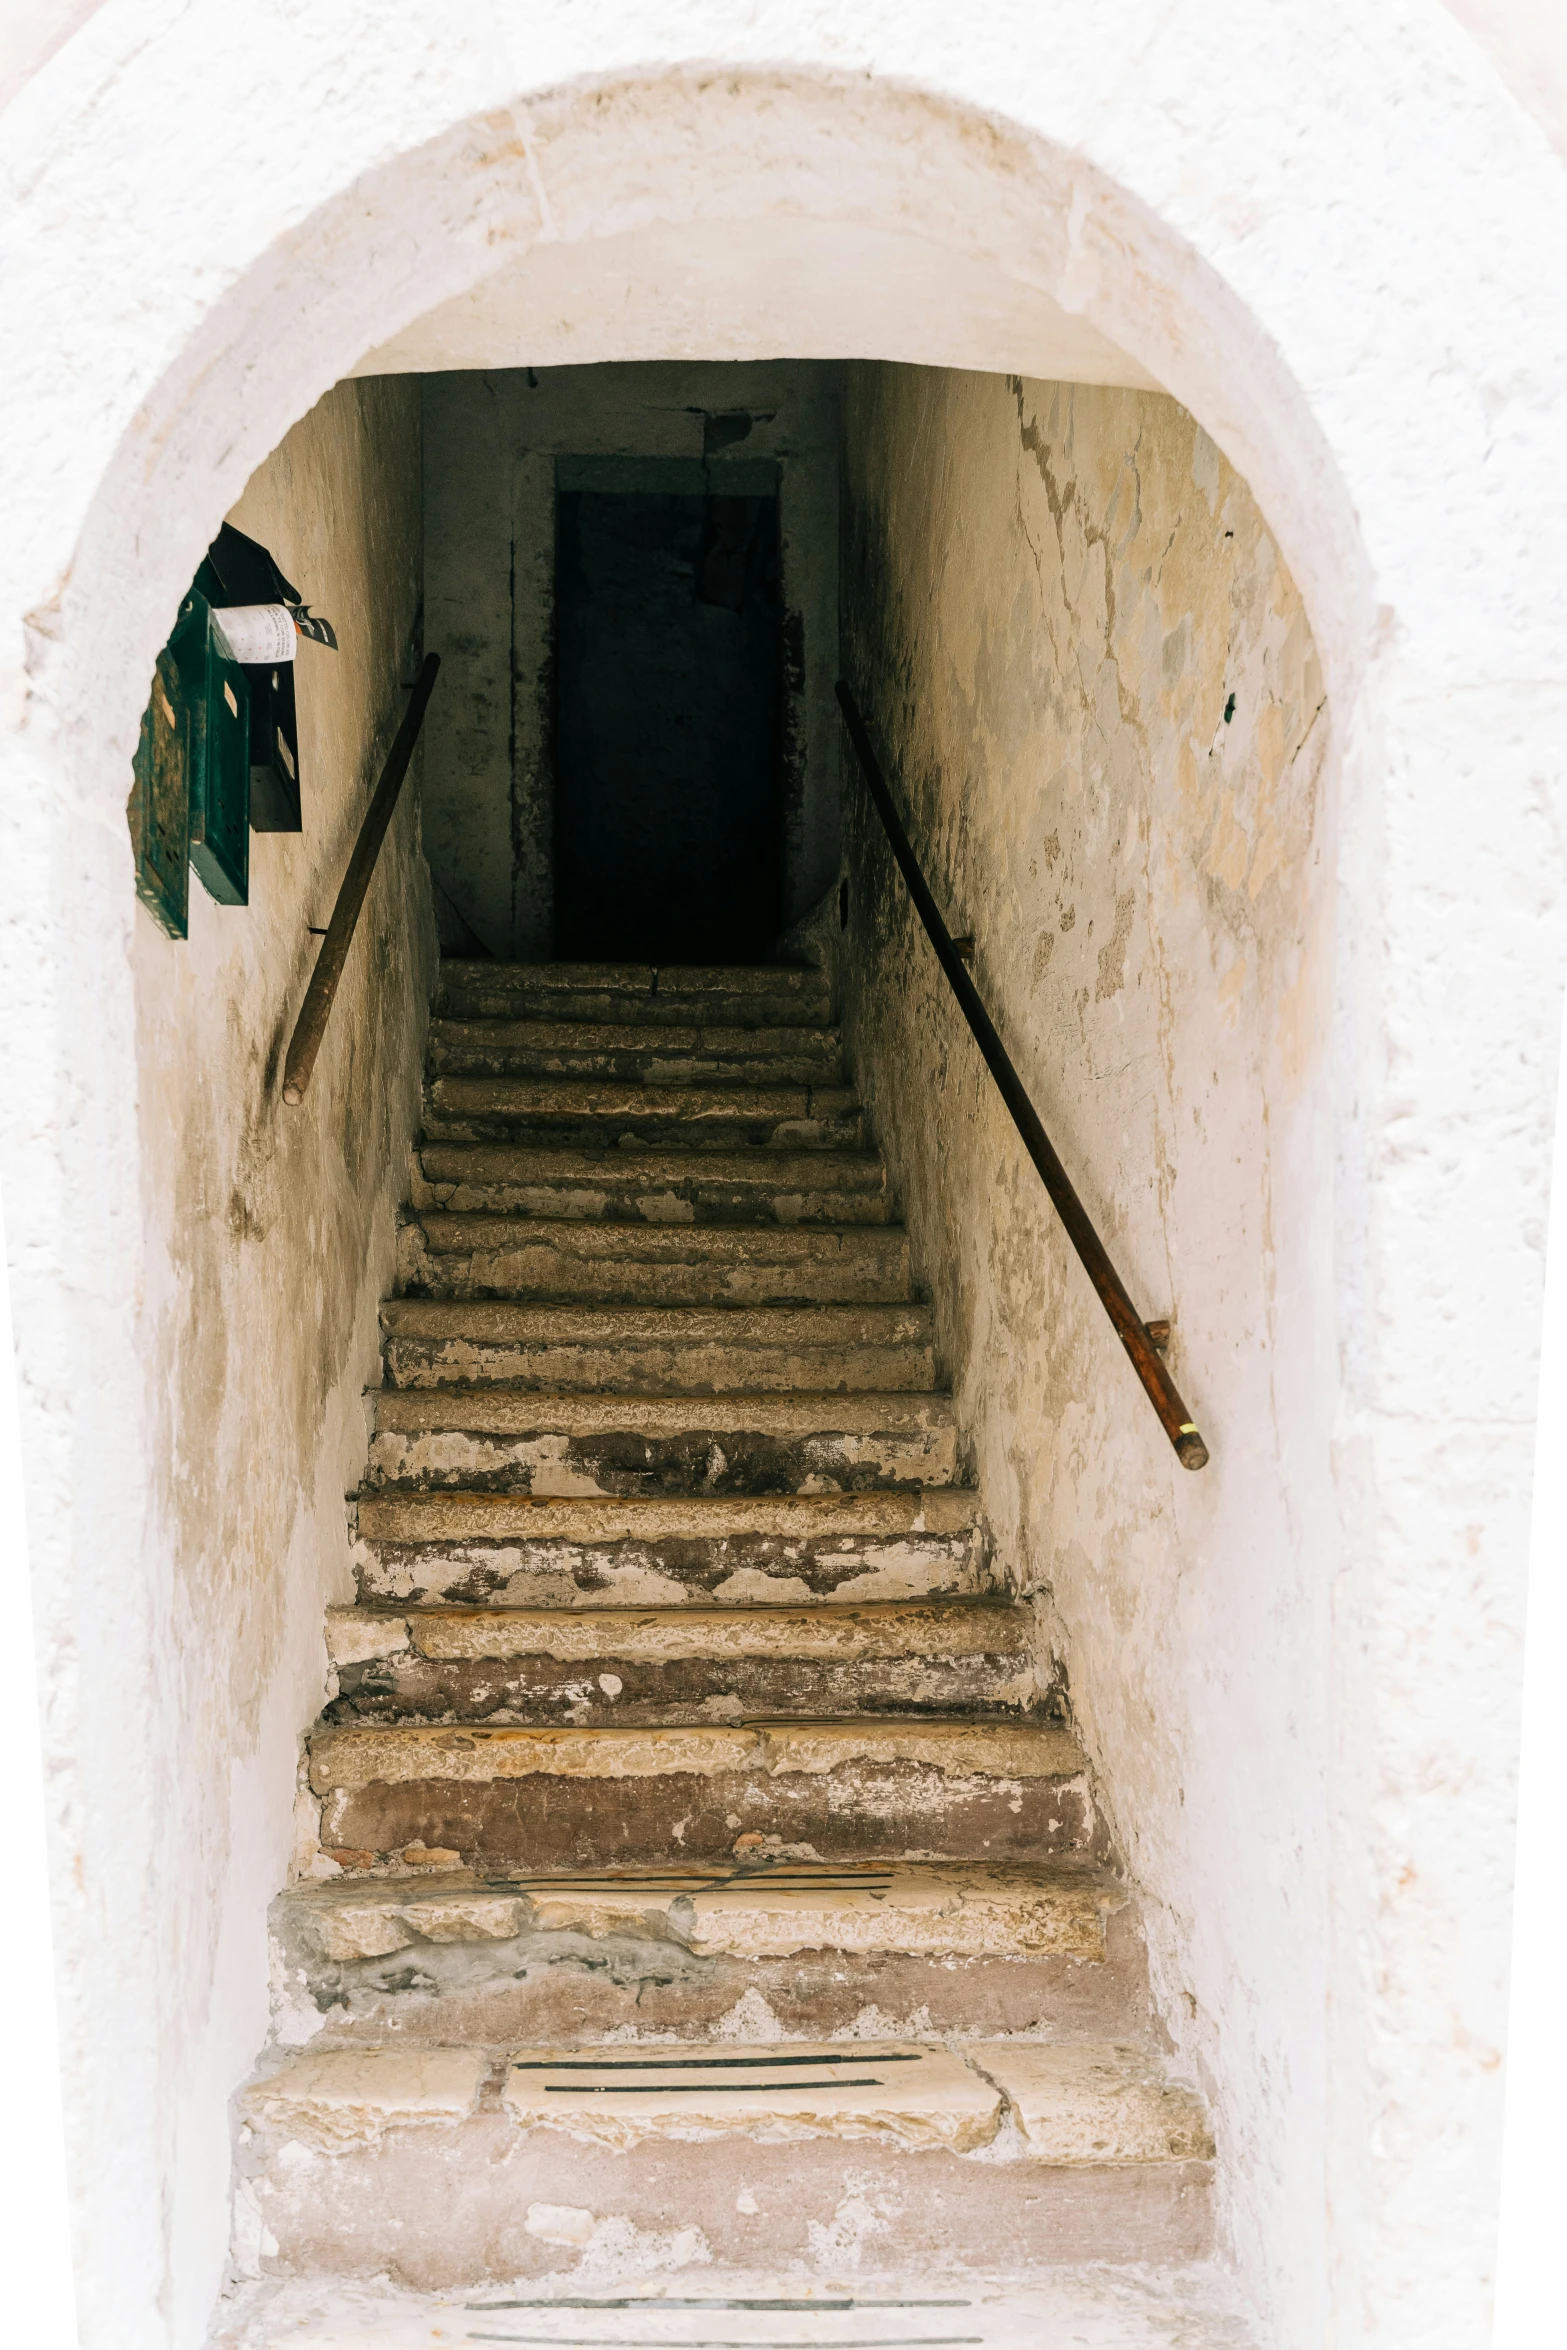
(267,1240)
(1093,677)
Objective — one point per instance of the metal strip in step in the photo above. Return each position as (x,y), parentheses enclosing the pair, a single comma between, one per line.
(918,2095)
(647,2302)
(700,2064)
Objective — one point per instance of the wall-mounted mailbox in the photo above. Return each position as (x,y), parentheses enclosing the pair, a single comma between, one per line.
(216,693)
(160,801)
(238,570)
(218,756)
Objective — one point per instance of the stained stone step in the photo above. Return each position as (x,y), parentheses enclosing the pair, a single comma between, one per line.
(676,1350)
(654,1184)
(1075,2104)
(686,1664)
(510,1799)
(1179,2307)
(629,1051)
(522,1442)
(450,1254)
(798,1947)
(772,995)
(778,1911)
(450,2165)
(517,1550)
(712,1117)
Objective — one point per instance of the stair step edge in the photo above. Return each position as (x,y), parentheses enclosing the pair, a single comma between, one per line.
(1079,2105)
(769,1912)
(390,1754)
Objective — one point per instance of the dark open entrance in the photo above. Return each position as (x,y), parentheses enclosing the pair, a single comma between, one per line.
(668,807)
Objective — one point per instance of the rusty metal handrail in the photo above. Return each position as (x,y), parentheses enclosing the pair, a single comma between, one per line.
(1130,1327)
(316,1009)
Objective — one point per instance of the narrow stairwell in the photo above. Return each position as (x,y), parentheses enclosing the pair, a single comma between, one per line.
(721,1886)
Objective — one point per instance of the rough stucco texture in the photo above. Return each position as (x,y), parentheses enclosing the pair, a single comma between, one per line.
(1093,677)
(267,1240)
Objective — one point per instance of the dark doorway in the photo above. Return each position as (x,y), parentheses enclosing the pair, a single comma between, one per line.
(668,815)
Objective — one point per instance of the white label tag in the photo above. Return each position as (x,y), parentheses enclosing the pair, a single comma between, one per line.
(257,633)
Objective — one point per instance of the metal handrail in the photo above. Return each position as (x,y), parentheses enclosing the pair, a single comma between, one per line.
(320,995)
(1130,1328)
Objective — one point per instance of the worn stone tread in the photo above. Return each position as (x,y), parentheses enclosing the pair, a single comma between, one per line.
(766,1325)
(395,1754)
(460,1253)
(439,1341)
(391,1514)
(765,1912)
(626,1049)
(769,995)
(484,2201)
(501,1411)
(1190,2307)
(885,1629)
(591,1442)
(658,1183)
(745,1124)
(1075,2106)
(616,1097)
(458,1230)
(878,1786)
(803,1564)
(680,1664)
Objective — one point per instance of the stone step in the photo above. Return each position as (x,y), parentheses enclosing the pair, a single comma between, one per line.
(522,1442)
(519,1550)
(771,995)
(1183,2306)
(629,1051)
(673,1350)
(452,2165)
(449,1254)
(510,1799)
(683,1664)
(568,1110)
(654,1185)
(789,1947)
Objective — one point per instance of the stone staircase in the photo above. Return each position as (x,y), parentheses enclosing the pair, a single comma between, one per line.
(714,1882)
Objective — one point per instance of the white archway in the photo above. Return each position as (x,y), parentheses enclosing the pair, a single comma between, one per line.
(1294,220)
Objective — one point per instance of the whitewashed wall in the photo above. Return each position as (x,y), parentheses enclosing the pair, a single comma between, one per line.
(1325,231)
(247,1265)
(1096,685)
(266,1239)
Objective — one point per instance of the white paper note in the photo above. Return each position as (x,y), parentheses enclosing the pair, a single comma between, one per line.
(257,634)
